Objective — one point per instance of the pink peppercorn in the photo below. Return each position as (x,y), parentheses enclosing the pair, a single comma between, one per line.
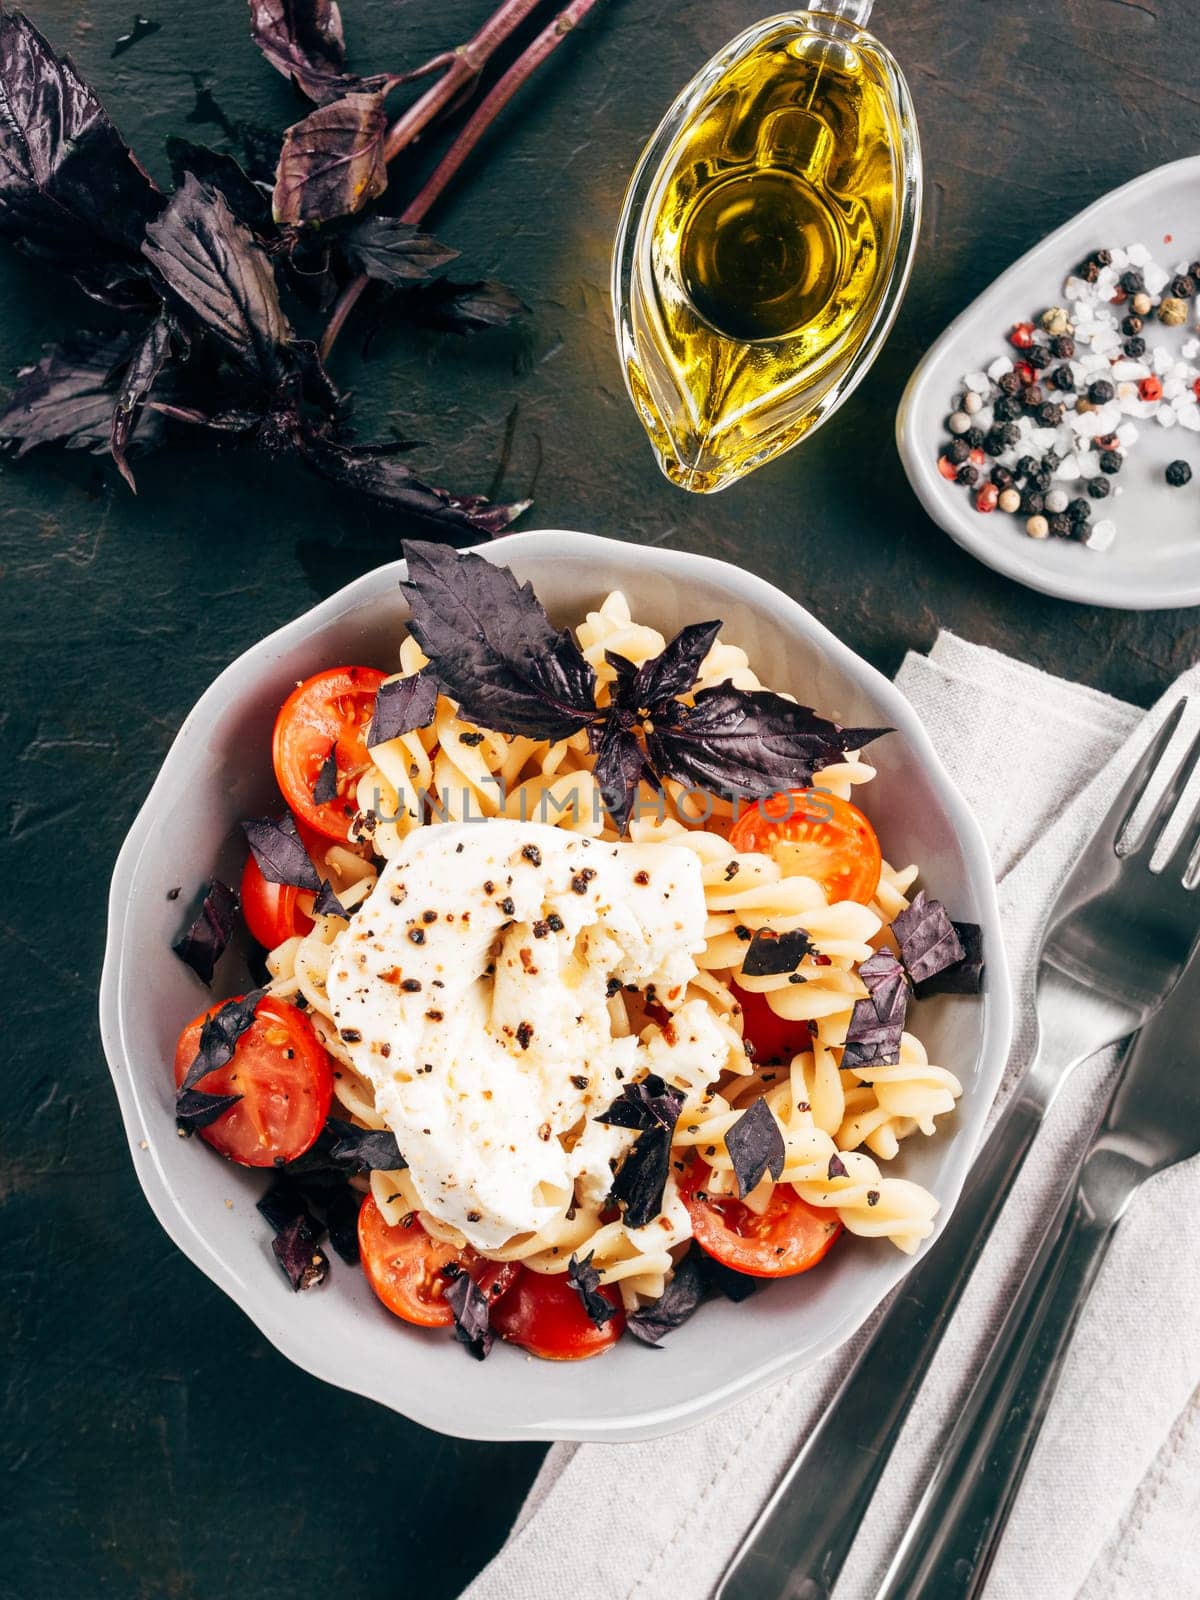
(1150,389)
(987,498)
(947,468)
(1021,336)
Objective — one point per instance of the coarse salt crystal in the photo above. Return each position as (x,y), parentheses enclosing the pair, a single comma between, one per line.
(1172,388)
(1133,407)
(1190,418)
(1123,370)
(1106,339)
(1109,416)
(975,382)
(1120,258)
(1137,255)
(1127,435)
(1068,469)
(1162,358)
(1156,278)
(1044,438)
(1088,463)
(998,368)
(1102,535)
(1191,349)
(1165,417)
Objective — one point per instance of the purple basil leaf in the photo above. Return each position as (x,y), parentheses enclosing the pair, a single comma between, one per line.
(771,953)
(394,252)
(302,1259)
(493,648)
(469,1304)
(401,706)
(927,938)
(585,1280)
(150,355)
(618,769)
(303,39)
(325,788)
(327,903)
(366,469)
(734,1285)
(141,28)
(674,1306)
(356,1149)
(203,944)
(284,1204)
(654,1107)
(221,172)
(462,307)
(214,267)
(119,285)
(962,977)
(648,1103)
(68,397)
(642,1178)
(219,1037)
(876,1023)
(674,670)
(341,1219)
(332,163)
(194,1109)
(747,743)
(231,421)
(755,1147)
(280,853)
(69,188)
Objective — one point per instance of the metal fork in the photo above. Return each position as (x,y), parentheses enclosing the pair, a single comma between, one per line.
(1152,1122)
(1114,945)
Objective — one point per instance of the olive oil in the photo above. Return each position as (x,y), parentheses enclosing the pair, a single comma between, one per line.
(765,244)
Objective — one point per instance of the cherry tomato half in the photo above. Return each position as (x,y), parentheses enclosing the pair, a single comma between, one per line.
(330,711)
(273,911)
(544,1315)
(284,1076)
(827,839)
(789,1237)
(405,1267)
(774,1038)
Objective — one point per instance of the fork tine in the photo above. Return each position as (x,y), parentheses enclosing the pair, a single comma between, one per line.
(1125,841)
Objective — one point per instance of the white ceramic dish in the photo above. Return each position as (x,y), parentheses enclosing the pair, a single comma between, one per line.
(219,770)
(1155,560)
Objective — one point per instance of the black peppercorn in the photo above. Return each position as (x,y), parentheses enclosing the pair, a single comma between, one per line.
(1135,348)
(1050,415)
(1010,433)
(1110,461)
(1043,477)
(1038,357)
(1060,526)
(1006,408)
(1194,272)
(1002,477)
(1032,503)
(967,475)
(974,437)
(1079,510)
(1101,392)
(958,450)
(1178,473)
(1183,287)
(1032,396)
(1132,282)
(994,445)
(1099,488)
(1088,271)
(1026,467)
(1062,346)
(1132,325)
(1102,258)
(1062,378)
(1010,383)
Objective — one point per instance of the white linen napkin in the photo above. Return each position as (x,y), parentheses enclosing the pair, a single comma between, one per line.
(1110,1507)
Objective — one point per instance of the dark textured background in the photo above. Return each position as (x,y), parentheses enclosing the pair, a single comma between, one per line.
(152,1444)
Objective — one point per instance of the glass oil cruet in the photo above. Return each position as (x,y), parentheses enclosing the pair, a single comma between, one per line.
(765,242)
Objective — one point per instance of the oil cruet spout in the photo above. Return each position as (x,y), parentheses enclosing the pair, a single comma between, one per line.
(765,242)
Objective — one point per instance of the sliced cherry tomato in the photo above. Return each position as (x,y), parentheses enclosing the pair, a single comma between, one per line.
(774,1038)
(828,839)
(273,911)
(406,1268)
(544,1315)
(330,711)
(285,1079)
(789,1237)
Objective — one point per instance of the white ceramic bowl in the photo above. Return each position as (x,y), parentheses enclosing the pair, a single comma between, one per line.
(219,770)
(1155,559)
